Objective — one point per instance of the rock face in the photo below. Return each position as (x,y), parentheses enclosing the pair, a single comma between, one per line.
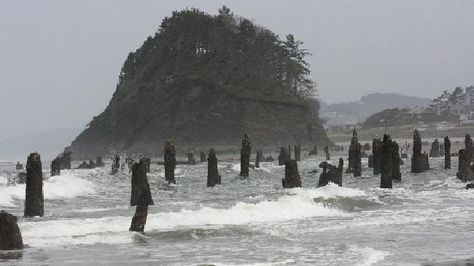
(213,177)
(10,234)
(170,161)
(417,160)
(34,199)
(447,153)
(191,83)
(292,176)
(245,152)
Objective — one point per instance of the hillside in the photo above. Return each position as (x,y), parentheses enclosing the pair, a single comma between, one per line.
(358,111)
(204,81)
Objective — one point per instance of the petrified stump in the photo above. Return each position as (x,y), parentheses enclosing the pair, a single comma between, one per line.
(139,219)
(465,172)
(65,159)
(115,164)
(292,176)
(355,165)
(213,177)
(245,156)
(371,161)
(283,156)
(377,155)
(396,162)
(387,162)
(191,160)
(326,151)
(417,158)
(314,150)
(170,161)
(297,150)
(259,158)
(203,157)
(34,201)
(140,185)
(447,153)
(10,235)
(55,167)
(435,148)
(99,162)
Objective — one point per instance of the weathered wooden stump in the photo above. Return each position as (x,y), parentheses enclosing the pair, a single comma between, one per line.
(469,147)
(377,155)
(213,177)
(203,157)
(326,151)
(426,162)
(115,165)
(297,150)
(292,176)
(170,161)
(371,161)
(141,196)
(417,161)
(435,148)
(283,156)
(447,153)
(55,167)
(140,184)
(340,169)
(324,178)
(10,235)
(34,200)
(465,172)
(65,159)
(99,162)
(355,157)
(245,153)
(313,151)
(387,162)
(396,162)
(191,160)
(331,174)
(259,158)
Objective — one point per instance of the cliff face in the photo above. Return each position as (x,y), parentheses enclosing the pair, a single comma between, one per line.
(203,97)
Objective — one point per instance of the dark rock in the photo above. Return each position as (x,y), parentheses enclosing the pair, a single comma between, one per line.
(435,149)
(55,167)
(91,164)
(115,165)
(417,160)
(292,177)
(10,235)
(331,174)
(404,156)
(447,153)
(377,155)
(470,186)
(297,150)
(140,185)
(34,200)
(213,177)
(313,151)
(191,160)
(245,153)
(170,161)
(269,159)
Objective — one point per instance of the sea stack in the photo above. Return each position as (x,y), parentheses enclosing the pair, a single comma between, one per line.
(141,196)
(10,234)
(447,153)
(417,157)
(292,177)
(55,167)
(355,156)
(377,155)
(387,162)
(245,152)
(170,161)
(213,177)
(115,164)
(34,200)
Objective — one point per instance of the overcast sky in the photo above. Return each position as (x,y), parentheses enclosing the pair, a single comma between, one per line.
(60,60)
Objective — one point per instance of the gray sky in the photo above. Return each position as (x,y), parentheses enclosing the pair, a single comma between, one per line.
(60,60)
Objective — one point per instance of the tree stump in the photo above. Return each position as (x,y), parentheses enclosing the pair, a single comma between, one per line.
(140,184)
(313,151)
(371,161)
(10,234)
(417,160)
(396,162)
(377,155)
(65,159)
(465,172)
(297,150)
(213,177)
(292,177)
(326,151)
(191,160)
(170,161)
(245,156)
(259,158)
(435,148)
(55,167)
(203,157)
(34,200)
(115,165)
(387,162)
(99,162)
(283,156)
(447,153)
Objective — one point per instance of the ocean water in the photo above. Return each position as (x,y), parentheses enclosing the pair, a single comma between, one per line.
(427,218)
